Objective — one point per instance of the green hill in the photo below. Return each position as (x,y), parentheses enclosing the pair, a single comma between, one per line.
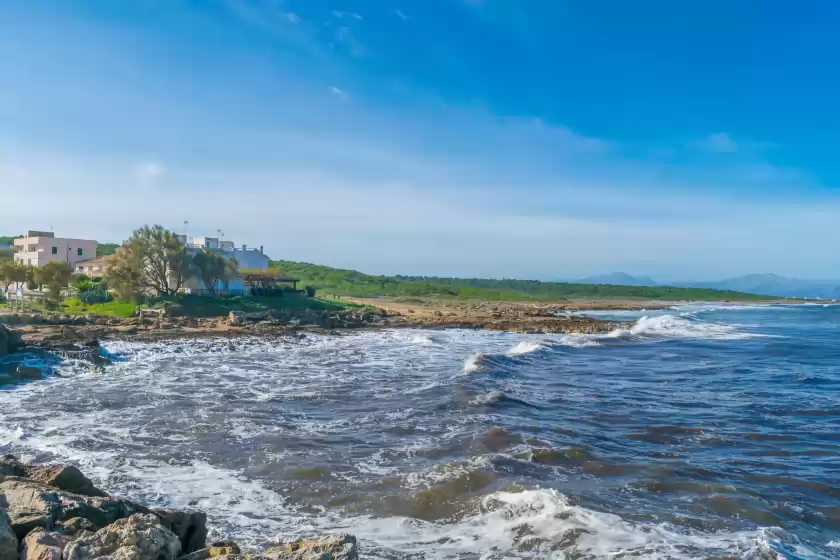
(357,284)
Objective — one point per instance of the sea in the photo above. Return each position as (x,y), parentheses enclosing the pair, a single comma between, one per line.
(701,431)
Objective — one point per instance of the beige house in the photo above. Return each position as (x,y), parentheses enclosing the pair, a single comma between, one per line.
(37,248)
(95,268)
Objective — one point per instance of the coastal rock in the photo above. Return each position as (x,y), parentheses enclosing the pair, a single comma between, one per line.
(42,545)
(190,527)
(8,539)
(75,526)
(330,547)
(28,373)
(9,340)
(10,466)
(236,318)
(66,477)
(34,504)
(139,537)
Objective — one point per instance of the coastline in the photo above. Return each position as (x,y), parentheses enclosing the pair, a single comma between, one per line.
(79,336)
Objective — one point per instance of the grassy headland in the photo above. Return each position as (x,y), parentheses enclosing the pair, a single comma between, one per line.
(206,306)
(352,283)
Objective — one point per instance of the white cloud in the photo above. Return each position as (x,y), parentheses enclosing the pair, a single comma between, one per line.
(293,18)
(719,142)
(149,171)
(401,15)
(417,227)
(338,93)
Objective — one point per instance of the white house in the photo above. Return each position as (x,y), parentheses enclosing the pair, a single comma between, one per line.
(37,248)
(245,259)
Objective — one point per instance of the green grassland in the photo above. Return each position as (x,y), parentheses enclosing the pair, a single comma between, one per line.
(352,283)
(205,306)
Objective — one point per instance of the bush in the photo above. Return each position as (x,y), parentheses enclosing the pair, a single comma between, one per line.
(310,291)
(93,294)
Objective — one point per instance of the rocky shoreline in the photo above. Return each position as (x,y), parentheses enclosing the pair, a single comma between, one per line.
(78,337)
(54,512)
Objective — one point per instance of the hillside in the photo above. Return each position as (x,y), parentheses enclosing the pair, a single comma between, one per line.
(357,284)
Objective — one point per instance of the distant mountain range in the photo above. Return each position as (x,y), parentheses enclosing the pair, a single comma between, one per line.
(764,284)
(619,279)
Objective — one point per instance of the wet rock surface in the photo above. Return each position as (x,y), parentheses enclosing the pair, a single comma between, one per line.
(55,512)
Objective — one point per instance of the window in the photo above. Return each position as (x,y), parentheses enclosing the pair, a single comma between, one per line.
(55,250)
(79,252)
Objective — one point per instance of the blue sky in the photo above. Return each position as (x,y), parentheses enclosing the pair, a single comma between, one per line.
(504,138)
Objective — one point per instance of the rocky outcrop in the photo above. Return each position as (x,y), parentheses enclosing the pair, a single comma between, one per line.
(8,539)
(43,545)
(139,537)
(9,340)
(56,513)
(236,318)
(189,526)
(65,477)
(331,547)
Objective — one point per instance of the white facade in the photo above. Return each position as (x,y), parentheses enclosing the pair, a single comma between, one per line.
(38,248)
(249,258)
(245,257)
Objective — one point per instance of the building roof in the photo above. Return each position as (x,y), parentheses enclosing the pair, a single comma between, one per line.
(104,259)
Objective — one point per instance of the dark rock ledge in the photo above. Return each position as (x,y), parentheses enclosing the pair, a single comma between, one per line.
(56,513)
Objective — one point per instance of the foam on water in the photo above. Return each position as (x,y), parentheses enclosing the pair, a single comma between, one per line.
(671,326)
(524,347)
(529,524)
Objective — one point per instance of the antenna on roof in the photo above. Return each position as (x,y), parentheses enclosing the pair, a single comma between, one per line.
(186,223)
(221,235)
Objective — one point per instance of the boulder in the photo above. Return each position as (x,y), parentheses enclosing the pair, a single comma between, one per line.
(75,526)
(66,477)
(191,527)
(139,537)
(69,333)
(42,545)
(330,547)
(10,466)
(9,340)
(236,318)
(8,539)
(34,504)
(28,373)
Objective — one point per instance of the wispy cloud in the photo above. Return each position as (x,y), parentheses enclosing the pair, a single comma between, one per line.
(339,93)
(401,15)
(718,142)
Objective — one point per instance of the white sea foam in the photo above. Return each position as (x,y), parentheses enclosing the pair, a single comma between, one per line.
(524,347)
(473,363)
(496,532)
(670,326)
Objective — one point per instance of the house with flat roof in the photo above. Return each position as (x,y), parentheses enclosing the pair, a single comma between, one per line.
(37,248)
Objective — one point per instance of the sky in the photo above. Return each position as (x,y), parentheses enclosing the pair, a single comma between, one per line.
(545,139)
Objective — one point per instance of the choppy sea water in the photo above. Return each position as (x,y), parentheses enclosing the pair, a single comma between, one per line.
(700,432)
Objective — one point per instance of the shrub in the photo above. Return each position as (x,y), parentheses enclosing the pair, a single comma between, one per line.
(93,294)
(310,291)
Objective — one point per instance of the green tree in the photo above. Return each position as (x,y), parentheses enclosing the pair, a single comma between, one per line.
(212,268)
(124,275)
(151,259)
(55,276)
(17,273)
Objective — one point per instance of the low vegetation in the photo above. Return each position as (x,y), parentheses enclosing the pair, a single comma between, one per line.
(352,283)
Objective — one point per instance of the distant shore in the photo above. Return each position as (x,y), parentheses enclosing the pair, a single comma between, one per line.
(83,333)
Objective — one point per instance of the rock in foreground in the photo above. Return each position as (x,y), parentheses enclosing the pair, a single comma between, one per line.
(56,513)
